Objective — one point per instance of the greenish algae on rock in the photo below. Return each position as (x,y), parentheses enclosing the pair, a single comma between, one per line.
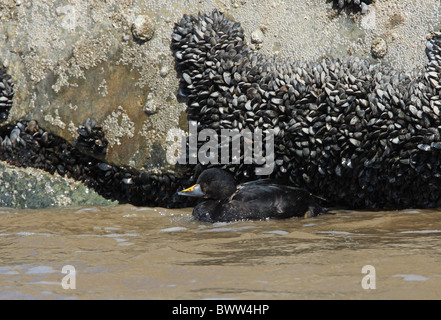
(28,188)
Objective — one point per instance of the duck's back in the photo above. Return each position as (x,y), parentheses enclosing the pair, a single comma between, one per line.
(277,200)
(262,199)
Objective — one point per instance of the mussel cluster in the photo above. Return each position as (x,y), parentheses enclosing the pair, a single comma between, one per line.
(28,145)
(91,139)
(356,4)
(6,94)
(361,135)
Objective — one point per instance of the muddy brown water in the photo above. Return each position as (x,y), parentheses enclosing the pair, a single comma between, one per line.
(126,252)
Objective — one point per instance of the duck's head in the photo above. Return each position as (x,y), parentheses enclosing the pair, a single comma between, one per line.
(213,183)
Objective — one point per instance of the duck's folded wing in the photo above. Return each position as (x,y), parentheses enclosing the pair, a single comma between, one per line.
(278,201)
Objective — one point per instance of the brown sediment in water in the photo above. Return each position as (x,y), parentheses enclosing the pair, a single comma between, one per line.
(124,252)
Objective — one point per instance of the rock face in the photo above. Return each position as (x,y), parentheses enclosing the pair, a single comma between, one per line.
(110,61)
(73,60)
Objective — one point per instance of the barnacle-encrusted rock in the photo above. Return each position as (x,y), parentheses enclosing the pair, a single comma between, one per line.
(73,60)
(361,135)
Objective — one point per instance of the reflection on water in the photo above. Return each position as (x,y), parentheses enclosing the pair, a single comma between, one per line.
(125,252)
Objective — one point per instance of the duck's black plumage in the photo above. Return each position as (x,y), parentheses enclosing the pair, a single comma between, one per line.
(253,200)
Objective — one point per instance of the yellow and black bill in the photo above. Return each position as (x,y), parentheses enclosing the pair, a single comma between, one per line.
(193,191)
